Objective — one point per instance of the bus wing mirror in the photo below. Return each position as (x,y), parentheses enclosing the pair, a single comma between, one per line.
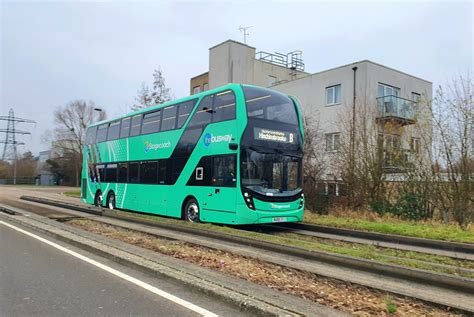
(233,146)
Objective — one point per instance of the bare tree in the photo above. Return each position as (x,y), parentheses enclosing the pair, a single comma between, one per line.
(160,92)
(157,95)
(453,117)
(5,169)
(314,162)
(360,162)
(26,165)
(68,136)
(143,98)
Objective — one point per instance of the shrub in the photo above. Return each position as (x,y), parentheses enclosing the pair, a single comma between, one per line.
(381,207)
(411,206)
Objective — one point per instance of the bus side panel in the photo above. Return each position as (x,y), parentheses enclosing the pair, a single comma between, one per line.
(217,204)
(152,198)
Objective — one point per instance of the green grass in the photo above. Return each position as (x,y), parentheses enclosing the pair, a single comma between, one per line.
(390,305)
(448,232)
(370,252)
(74,193)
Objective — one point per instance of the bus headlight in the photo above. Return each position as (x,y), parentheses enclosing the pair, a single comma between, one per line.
(301,201)
(249,200)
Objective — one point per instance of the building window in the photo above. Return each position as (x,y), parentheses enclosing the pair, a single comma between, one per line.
(386,90)
(205,87)
(415,97)
(415,145)
(196,90)
(333,95)
(333,142)
(271,80)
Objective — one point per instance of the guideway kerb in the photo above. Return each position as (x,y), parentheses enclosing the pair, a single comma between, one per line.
(411,274)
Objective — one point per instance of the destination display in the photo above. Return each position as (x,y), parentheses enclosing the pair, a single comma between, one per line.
(272,135)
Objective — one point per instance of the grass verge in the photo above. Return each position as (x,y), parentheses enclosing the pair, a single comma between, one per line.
(354,299)
(73,193)
(427,230)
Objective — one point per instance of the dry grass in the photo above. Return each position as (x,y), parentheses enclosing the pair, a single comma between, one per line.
(354,299)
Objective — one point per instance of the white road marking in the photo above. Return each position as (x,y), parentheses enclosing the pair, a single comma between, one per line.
(148,287)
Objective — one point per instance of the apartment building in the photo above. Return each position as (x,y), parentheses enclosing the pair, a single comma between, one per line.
(392,103)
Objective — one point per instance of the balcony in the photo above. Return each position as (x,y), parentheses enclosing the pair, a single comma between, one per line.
(396,110)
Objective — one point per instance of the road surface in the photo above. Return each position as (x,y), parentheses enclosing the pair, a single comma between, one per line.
(37,279)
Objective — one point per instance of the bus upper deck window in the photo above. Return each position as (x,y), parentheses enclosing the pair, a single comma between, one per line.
(203,114)
(169,118)
(224,106)
(125,129)
(136,125)
(151,122)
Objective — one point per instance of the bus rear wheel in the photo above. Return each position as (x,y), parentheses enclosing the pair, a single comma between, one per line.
(191,210)
(98,199)
(111,201)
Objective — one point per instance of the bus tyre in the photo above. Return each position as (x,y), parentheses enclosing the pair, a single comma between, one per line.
(191,210)
(98,199)
(111,200)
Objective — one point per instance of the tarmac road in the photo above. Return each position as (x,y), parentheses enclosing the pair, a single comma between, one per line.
(37,279)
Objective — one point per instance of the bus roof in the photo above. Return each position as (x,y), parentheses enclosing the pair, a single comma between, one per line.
(173,102)
(168,103)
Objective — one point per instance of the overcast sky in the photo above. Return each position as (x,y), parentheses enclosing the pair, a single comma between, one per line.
(55,52)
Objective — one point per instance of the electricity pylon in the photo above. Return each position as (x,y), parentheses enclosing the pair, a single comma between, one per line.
(10,142)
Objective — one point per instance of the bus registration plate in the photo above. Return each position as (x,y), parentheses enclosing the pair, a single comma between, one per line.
(279,219)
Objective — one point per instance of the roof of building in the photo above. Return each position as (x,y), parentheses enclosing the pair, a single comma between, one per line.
(229,40)
(354,64)
(200,75)
(330,69)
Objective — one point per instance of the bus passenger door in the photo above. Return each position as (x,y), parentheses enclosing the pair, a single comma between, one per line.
(219,202)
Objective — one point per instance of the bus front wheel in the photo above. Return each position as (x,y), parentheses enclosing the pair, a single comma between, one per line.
(111,200)
(191,210)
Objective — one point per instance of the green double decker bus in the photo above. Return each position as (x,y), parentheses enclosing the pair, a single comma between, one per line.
(230,155)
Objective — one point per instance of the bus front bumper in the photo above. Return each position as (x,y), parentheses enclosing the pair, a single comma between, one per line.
(246,215)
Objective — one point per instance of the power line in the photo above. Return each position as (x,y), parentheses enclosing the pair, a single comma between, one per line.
(10,142)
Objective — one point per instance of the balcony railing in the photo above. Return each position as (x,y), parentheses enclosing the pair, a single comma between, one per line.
(393,108)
